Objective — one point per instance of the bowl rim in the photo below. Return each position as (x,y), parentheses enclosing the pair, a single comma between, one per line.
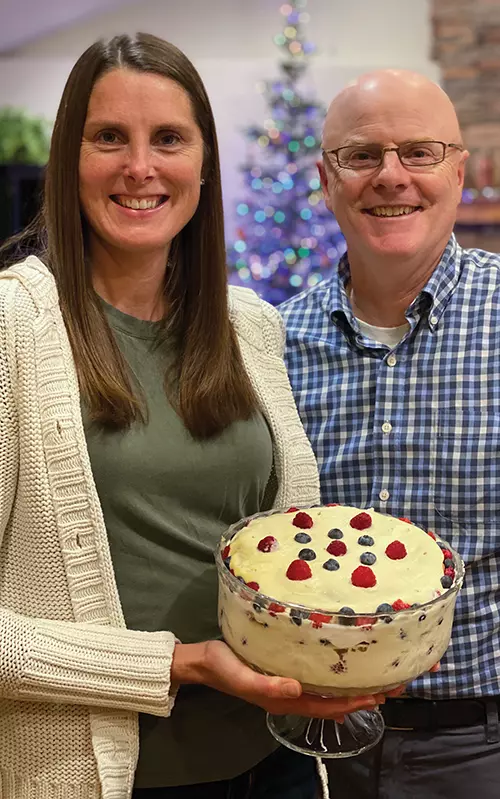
(235,582)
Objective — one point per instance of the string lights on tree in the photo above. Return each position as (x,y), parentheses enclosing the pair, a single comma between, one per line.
(286,239)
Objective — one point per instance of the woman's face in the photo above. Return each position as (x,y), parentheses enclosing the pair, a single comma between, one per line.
(141,160)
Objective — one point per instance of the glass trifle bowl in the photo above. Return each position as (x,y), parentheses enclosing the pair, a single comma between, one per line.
(332,649)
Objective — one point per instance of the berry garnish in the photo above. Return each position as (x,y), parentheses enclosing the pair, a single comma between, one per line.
(450,572)
(429,532)
(253,586)
(332,504)
(365,621)
(404,519)
(345,611)
(302,538)
(447,555)
(384,608)
(396,550)
(275,608)
(335,533)
(446,581)
(303,520)
(363,577)
(225,552)
(344,617)
(297,615)
(366,541)
(400,605)
(318,619)
(368,558)
(336,548)
(448,562)
(331,565)
(299,570)
(292,510)
(307,554)
(361,521)
(268,544)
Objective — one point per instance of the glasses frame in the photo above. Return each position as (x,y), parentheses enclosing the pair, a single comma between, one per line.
(385,150)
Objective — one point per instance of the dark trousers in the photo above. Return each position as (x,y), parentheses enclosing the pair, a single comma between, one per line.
(443,763)
(282,775)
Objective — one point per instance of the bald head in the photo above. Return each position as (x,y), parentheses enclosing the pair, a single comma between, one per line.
(406,103)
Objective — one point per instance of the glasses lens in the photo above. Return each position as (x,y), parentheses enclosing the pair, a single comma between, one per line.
(360,157)
(422,153)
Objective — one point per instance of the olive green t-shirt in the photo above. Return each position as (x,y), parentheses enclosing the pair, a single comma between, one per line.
(166,499)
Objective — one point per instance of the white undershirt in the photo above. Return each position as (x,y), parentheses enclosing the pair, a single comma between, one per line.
(383,335)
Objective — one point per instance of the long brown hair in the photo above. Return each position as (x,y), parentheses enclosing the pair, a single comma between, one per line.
(213,388)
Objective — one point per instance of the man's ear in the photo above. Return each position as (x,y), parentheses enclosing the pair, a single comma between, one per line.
(323,176)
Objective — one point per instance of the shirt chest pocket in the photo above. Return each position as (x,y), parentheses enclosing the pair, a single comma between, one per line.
(466,465)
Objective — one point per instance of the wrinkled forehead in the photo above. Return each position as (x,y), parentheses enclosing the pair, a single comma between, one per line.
(385,118)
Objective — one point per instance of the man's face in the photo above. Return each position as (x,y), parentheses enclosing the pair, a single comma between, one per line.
(392,210)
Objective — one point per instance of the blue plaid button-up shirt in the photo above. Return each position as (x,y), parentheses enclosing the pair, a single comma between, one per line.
(437,461)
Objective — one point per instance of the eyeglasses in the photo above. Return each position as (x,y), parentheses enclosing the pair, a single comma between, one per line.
(411,154)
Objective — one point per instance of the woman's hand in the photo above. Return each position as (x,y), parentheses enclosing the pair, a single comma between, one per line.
(214,664)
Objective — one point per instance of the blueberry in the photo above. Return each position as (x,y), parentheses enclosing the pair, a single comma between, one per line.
(302,538)
(346,612)
(366,541)
(257,607)
(331,565)
(385,608)
(448,562)
(446,581)
(307,554)
(297,615)
(441,545)
(227,562)
(335,533)
(368,558)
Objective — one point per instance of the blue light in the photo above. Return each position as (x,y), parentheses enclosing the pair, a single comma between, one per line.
(259,216)
(242,209)
(256,184)
(306,213)
(240,246)
(277,188)
(295,280)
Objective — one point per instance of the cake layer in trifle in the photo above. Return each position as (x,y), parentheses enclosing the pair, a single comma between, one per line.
(339,557)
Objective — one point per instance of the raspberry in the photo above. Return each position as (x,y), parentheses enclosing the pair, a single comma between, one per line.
(364,621)
(396,550)
(332,505)
(361,522)
(267,544)
(299,570)
(450,572)
(292,510)
(275,608)
(447,554)
(404,519)
(318,619)
(363,577)
(303,520)
(225,552)
(429,532)
(400,605)
(253,586)
(336,548)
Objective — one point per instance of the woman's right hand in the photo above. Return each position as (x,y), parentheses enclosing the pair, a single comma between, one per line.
(214,664)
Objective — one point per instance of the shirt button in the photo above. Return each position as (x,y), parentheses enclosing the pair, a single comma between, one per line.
(434,320)
(386,427)
(392,360)
(384,495)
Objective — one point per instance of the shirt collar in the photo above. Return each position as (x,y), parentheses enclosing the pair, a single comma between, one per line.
(432,300)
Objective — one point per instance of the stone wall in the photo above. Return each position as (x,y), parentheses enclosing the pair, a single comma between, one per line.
(466,45)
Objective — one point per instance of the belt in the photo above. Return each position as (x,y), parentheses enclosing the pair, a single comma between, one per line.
(429,715)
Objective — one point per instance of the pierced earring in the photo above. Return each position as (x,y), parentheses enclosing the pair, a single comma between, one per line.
(202,182)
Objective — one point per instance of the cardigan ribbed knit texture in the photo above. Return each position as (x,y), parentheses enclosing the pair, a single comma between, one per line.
(72,677)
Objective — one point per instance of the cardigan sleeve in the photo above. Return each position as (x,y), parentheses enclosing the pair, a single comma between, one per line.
(60,661)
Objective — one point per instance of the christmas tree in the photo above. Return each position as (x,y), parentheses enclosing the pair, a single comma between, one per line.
(286,239)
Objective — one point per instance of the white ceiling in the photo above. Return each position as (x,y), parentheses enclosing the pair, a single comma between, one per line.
(23,21)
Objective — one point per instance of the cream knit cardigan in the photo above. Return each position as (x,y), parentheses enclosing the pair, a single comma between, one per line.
(72,677)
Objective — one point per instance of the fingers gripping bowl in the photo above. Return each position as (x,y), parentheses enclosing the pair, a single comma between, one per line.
(348,602)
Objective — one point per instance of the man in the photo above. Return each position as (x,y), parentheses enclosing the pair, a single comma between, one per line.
(395,364)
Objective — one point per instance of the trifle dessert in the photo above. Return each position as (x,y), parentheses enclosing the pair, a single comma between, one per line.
(347,601)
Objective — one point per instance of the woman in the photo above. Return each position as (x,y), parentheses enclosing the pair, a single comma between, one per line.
(141,412)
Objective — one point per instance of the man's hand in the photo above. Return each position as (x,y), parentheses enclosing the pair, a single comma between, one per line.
(214,664)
